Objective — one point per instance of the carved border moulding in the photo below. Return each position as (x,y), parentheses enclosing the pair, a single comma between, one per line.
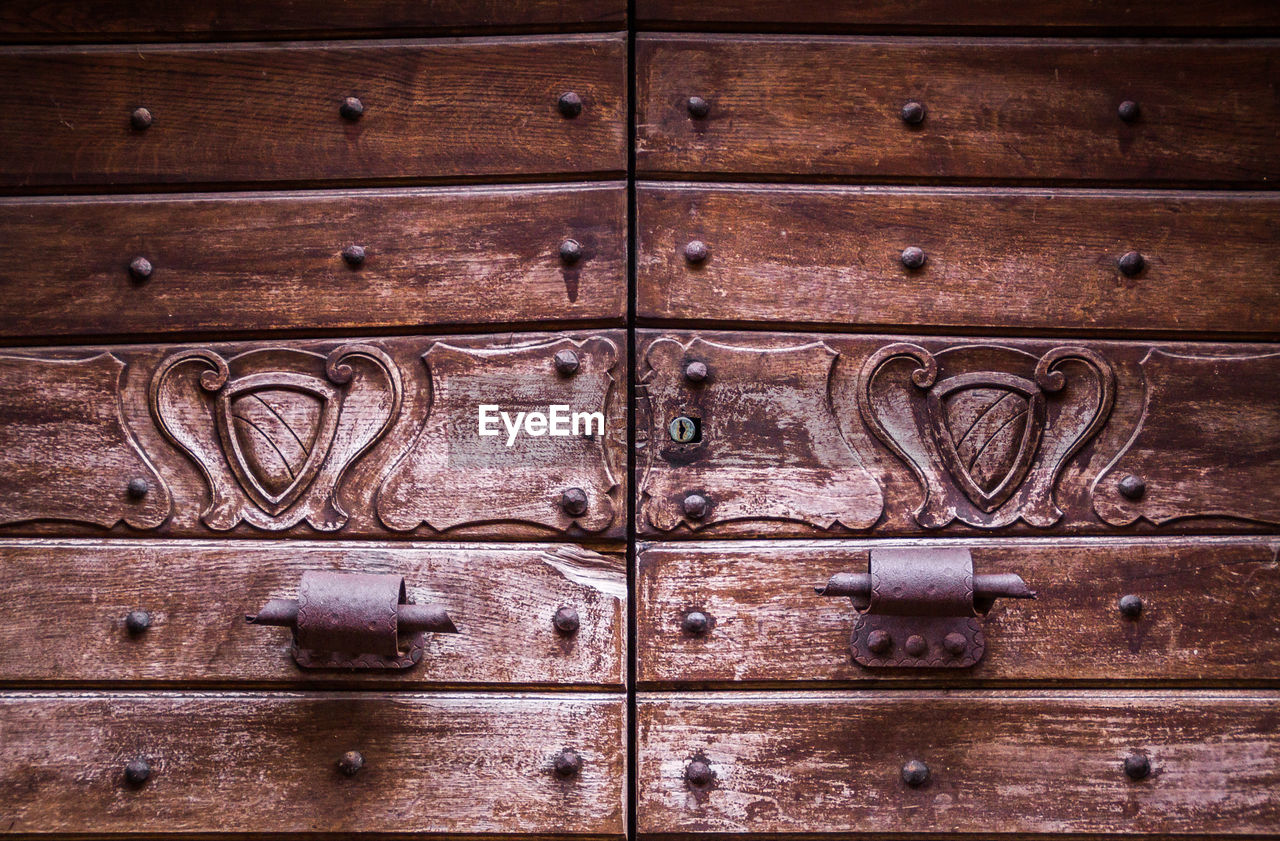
(452,476)
(274,430)
(986,429)
(769,447)
(65,449)
(1207,444)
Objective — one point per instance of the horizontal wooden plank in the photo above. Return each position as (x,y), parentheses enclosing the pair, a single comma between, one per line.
(1029,110)
(212,20)
(820,434)
(255,113)
(1211,611)
(259,261)
(360,438)
(197,593)
(268,763)
(1001,259)
(918,15)
(1048,762)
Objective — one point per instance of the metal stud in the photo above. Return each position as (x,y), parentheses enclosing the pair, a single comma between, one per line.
(696,252)
(1131,264)
(913,258)
(916,646)
(351,762)
(140,119)
(570,251)
(351,109)
(566,620)
(137,488)
(1137,766)
(567,763)
(1131,606)
(1129,111)
(137,621)
(574,502)
(353,256)
(698,773)
(879,641)
(570,104)
(566,362)
(137,772)
(140,268)
(698,107)
(695,506)
(913,113)
(1131,487)
(695,372)
(695,622)
(955,644)
(915,773)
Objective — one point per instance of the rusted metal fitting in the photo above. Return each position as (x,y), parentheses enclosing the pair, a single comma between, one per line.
(566,620)
(353,256)
(1131,487)
(698,107)
(137,621)
(1131,263)
(137,771)
(566,362)
(1137,766)
(351,763)
(929,598)
(351,620)
(570,104)
(915,773)
(913,258)
(1129,111)
(137,488)
(574,502)
(1131,606)
(140,268)
(696,251)
(696,372)
(696,622)
(570,251)
(913,113)
(567,763)
(351,109)
(698,773)
(140,119)
(695,506)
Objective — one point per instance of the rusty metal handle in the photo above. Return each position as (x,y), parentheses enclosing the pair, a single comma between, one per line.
(410,618)
(985,587)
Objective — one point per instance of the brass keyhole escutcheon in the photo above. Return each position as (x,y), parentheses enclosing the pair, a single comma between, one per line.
(685,430)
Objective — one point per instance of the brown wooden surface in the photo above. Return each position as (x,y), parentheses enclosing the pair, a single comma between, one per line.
(995,259)
(930,15)
(211,20)
(254,113)
(996,109)
(1211,612)
(267,763)
(272,261)
(396,453)
(820,434)
(825,763)
(197,594)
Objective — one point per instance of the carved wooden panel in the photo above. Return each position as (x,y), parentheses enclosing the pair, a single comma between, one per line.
(369,437)
(227,262)
(997,259)
(253,113)
(827,763)
(1210,612)
(267,763)
(1017,435)
(993,110)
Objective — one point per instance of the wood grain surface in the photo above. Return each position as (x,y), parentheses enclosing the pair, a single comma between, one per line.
(198,592)
(440,765)
(897,16)
(256,113)
(214,20)
(996,110)
(1042,762)
(1211,613)
(273,261)
(966,435)
(998,259)
(366,437)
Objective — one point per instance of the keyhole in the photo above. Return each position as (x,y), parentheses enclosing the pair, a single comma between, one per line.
(685,430)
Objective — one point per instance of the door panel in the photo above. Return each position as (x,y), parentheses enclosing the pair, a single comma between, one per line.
(280,261)
(369,437)
(256,113)
(268,763)
(993,110)
(999,259)
(803,434)
(1051,762)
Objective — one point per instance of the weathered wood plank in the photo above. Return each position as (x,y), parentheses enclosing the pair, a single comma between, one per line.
(267,763)
(1051,762)
(254,113)
(932,15)
(371,437)
(213,20)
(197,593)
(998,259)
(1211,612)
(994,109)
(231,262)
(820,434)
